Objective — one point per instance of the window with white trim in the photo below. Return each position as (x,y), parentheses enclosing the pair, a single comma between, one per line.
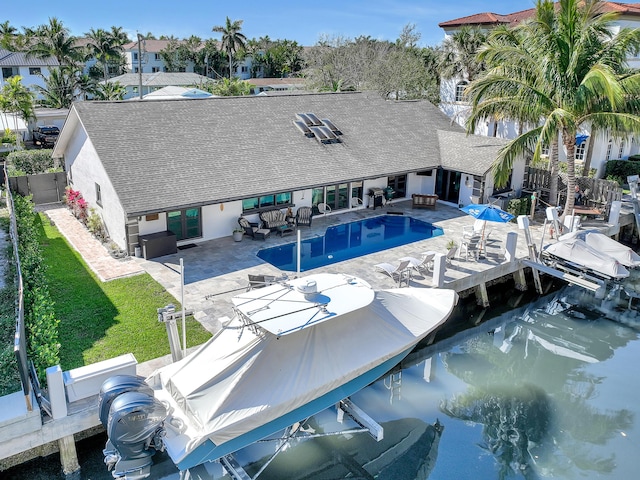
(580,149)
(621,149)
(609,149)
(460,87)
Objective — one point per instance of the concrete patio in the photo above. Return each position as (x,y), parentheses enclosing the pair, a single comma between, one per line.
(215,270)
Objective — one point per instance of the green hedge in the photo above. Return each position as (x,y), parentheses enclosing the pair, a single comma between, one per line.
(30,162)
(519,206)
(41,324)
(619,170)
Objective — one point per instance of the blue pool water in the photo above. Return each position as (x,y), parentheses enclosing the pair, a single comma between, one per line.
(350,240)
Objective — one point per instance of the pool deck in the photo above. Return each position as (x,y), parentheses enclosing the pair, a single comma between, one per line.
(215,270)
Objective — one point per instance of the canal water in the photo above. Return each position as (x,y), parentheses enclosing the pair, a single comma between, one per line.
(546,390)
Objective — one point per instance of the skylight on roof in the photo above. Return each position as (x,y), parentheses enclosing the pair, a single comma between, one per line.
(324,131)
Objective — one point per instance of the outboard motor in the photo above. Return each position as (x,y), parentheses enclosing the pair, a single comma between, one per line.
(115,386)
(135,429)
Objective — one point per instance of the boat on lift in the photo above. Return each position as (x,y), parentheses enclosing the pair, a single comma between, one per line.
(607,245)
(291,350)
(578,257)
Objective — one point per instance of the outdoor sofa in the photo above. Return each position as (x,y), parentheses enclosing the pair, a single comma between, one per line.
(424,201)
(273,219)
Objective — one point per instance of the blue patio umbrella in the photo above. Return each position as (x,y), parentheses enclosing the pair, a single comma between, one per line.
(487,212)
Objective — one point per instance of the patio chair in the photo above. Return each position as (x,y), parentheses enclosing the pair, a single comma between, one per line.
(471,246)
(304,216)
(253,230)
(396,272)
(323,208)
(424,266)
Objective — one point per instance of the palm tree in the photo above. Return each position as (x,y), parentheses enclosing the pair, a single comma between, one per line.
(104,47)
(54,40)
(559,71)
(109,91)
(458,54)
(63,86)
(17,99)
(232,39)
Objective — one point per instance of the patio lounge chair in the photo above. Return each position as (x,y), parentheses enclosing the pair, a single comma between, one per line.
(304,216)
(423,266)
(253,230)
(397,272)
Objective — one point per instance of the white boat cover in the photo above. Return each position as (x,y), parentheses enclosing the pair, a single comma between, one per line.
(625,255)
(239,381)
(578,252)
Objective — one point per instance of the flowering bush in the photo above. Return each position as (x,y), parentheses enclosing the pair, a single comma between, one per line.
(78,205)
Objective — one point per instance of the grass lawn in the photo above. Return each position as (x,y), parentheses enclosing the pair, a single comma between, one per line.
(103,320)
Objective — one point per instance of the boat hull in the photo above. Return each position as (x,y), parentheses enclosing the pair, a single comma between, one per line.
(208,451)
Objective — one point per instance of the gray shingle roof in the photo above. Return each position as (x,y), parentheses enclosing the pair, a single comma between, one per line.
(471,154)
(174,153)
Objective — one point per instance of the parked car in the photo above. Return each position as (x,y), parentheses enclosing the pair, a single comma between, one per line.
(45,135)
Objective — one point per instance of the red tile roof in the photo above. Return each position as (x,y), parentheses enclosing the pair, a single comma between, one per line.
(511,19)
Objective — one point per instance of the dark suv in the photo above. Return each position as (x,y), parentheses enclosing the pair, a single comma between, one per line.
(45,135)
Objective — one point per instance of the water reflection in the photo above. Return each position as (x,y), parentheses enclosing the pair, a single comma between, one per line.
(529,386)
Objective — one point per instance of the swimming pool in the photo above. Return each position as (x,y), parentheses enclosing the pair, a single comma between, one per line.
(350,240)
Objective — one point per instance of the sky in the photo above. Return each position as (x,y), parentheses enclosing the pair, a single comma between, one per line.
(301,20)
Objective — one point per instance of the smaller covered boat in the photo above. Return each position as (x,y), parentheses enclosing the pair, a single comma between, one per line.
(574,254)
(607,245)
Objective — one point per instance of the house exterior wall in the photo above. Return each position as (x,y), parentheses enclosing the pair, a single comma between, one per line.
(84,171)
(28,80)
(219,220)
(151,61)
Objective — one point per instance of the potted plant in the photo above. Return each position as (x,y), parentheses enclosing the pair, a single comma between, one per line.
(238,234)
(452,248)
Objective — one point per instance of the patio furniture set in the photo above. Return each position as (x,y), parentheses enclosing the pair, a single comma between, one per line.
(276,221)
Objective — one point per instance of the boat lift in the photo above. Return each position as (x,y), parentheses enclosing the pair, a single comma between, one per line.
(345,407)
(573,276)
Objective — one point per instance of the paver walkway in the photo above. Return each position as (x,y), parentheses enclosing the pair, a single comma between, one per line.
(93,252)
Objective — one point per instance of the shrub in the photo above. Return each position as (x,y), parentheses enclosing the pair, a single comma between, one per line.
(40,322)
(8,137)
(30,162)
(78,205)
(96,226)
(519,206)
(619,170)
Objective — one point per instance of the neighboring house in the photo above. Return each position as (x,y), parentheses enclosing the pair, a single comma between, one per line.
(155,81)
(194,167)
(151,60)
(28,67)
(454,104)
(260,85)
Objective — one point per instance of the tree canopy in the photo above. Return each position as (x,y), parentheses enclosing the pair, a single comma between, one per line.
(562,70)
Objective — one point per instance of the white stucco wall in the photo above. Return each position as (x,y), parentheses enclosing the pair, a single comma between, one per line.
(84,170)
